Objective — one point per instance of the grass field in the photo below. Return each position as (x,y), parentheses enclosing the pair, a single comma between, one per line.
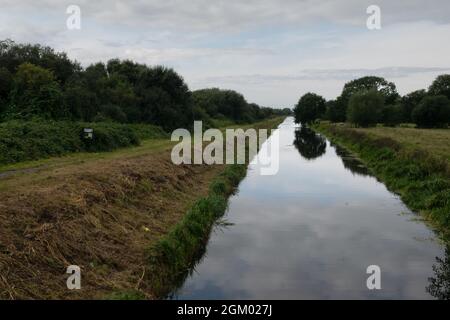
(434,141)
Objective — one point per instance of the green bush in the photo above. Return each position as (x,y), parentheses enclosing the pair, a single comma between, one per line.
(36,139)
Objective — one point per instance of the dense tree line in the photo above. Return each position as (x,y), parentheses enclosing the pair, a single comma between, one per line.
(370,100)
(220,104)
(36,81)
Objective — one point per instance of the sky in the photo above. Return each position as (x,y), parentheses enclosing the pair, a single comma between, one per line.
(272,51)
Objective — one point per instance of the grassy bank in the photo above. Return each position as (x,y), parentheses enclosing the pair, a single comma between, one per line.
(172,258)
(105,212)
(32,140)
(174,255)
(412,162)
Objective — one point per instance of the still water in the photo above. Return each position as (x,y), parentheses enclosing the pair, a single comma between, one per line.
(311,231)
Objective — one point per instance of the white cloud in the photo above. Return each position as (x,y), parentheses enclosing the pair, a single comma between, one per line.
(272,51)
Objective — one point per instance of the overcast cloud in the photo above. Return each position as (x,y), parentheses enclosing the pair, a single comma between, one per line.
(271,51)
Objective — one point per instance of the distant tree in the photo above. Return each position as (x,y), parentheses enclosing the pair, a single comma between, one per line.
(112,112)
(392,115)
(208,100)
(82,103)
(387,89)
(234,105)
(94,76)
(5,88)
(128,69)
(36,81)
(5,82)
(410,101)
(117,91)
(286,111)
(252,112)
(229,104)
(365,107)
(333,113)
(36,92)
(433,111)
(309,108)
(164,98)
(441,86)
(12,55)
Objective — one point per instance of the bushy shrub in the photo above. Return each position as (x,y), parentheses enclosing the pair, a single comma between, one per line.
(36,139)
(433,111)
(109,136)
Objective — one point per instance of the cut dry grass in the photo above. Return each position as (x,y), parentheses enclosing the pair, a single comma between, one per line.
(100,216)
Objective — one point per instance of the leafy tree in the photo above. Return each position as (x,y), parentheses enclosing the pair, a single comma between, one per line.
(364,108)
(116,90)
(36,81)
(309,108)
(164,98)
(112,112)
(94,76)
(441,86)
(82,103)
(433,111)
(12,55)
(286,112)
(387,89)
(5,87)
(410,101)
(208,100)
(128,69)
(219,103)
(36,92)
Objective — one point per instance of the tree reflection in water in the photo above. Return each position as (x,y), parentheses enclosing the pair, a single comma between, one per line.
(350,162)
(440,284)
(310,145)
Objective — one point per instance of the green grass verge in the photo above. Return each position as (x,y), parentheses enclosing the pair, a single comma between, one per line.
(171,258)
(39,139)
(420,178)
